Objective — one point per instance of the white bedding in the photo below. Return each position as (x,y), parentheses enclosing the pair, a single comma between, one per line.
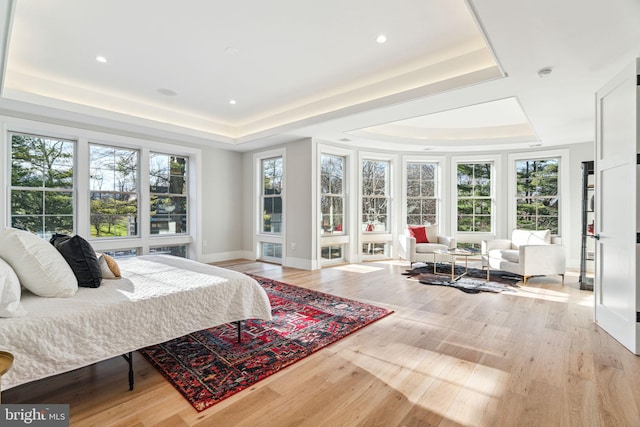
(159,298)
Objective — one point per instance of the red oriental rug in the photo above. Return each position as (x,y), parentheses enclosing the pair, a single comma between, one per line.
(210,365)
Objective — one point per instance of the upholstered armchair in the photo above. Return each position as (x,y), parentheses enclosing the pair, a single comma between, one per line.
(528,253)
(418,244)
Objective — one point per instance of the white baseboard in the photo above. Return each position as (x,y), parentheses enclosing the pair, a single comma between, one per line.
(226,256)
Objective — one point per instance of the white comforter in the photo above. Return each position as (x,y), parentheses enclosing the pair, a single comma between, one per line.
(159,298)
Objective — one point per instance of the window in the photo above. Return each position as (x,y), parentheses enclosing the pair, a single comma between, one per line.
(475,197)
(168,193)
(537,202)
(121,253)
(422,201)
(272,195)
(375,196)
(332,253)
(332,197)
(42,184)
(113,190)
(271,251)
(179,250)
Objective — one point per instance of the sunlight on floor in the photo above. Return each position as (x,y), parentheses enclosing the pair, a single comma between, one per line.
(541,293)
(357,268)
(434,376)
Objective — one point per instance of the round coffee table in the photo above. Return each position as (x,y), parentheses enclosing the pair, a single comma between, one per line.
(454,253)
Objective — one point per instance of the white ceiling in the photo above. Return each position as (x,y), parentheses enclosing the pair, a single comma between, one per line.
(453,75)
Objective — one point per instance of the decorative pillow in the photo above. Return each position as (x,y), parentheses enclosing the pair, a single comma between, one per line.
(419,232)
(38,265)
(432,233)
(9,292)
(81,258)
(108,266)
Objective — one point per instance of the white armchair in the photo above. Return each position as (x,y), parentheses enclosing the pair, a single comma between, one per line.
(424,252)
(528,253)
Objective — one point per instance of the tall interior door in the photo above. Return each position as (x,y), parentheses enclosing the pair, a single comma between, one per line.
(616,221)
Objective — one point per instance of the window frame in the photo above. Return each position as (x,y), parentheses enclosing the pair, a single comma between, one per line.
(438,188)
(83,137)
(385,237)
(136,193)
(564,176)
(259,236)
(184,195)
(72,191)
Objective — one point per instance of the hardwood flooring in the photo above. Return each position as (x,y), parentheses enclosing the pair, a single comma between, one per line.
(444,358)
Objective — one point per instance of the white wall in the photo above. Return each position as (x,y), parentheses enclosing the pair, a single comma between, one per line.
(223,206)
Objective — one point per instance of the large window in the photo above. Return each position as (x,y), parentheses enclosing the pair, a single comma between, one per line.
(332,195)
(422,200)
(42,184)
(475,197)
(168,192)
(272,195)
(537,202)
(113,191)
(375,196)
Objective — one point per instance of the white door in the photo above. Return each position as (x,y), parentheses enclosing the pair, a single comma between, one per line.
(616,222)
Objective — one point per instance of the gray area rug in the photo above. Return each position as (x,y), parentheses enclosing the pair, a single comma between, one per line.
(474,282)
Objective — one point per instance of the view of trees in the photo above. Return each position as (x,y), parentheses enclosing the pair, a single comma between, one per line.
(113,195)
(537,195)
(474,197)
(375,197)
(168,188)
(41,184)
(422,203)
(332,194)
(272,195)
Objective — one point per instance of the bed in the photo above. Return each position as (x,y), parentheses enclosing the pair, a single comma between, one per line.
(158,298)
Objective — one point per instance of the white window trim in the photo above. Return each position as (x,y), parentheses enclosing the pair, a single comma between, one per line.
(143,241)
(440,190)
(497,199)
(349,221)
(258,235)
(394,210)
(563,187)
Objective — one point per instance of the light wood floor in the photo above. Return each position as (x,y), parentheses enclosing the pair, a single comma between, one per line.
(531,358)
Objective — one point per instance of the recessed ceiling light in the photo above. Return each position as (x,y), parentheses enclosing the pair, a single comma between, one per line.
(167,92)
(381,39)
(101,59)
(232,102)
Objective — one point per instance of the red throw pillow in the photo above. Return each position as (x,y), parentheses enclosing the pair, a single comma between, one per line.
(420,233)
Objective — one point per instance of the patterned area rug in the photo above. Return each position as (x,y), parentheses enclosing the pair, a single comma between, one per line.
(210,365)
(475,281)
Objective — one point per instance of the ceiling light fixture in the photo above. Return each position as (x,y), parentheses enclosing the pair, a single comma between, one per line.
(381,39)
(544,72)
(232,102)
(101,59)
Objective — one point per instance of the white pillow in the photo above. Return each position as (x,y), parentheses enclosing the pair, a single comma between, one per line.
(38,265)
(9,292)
(432,233)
